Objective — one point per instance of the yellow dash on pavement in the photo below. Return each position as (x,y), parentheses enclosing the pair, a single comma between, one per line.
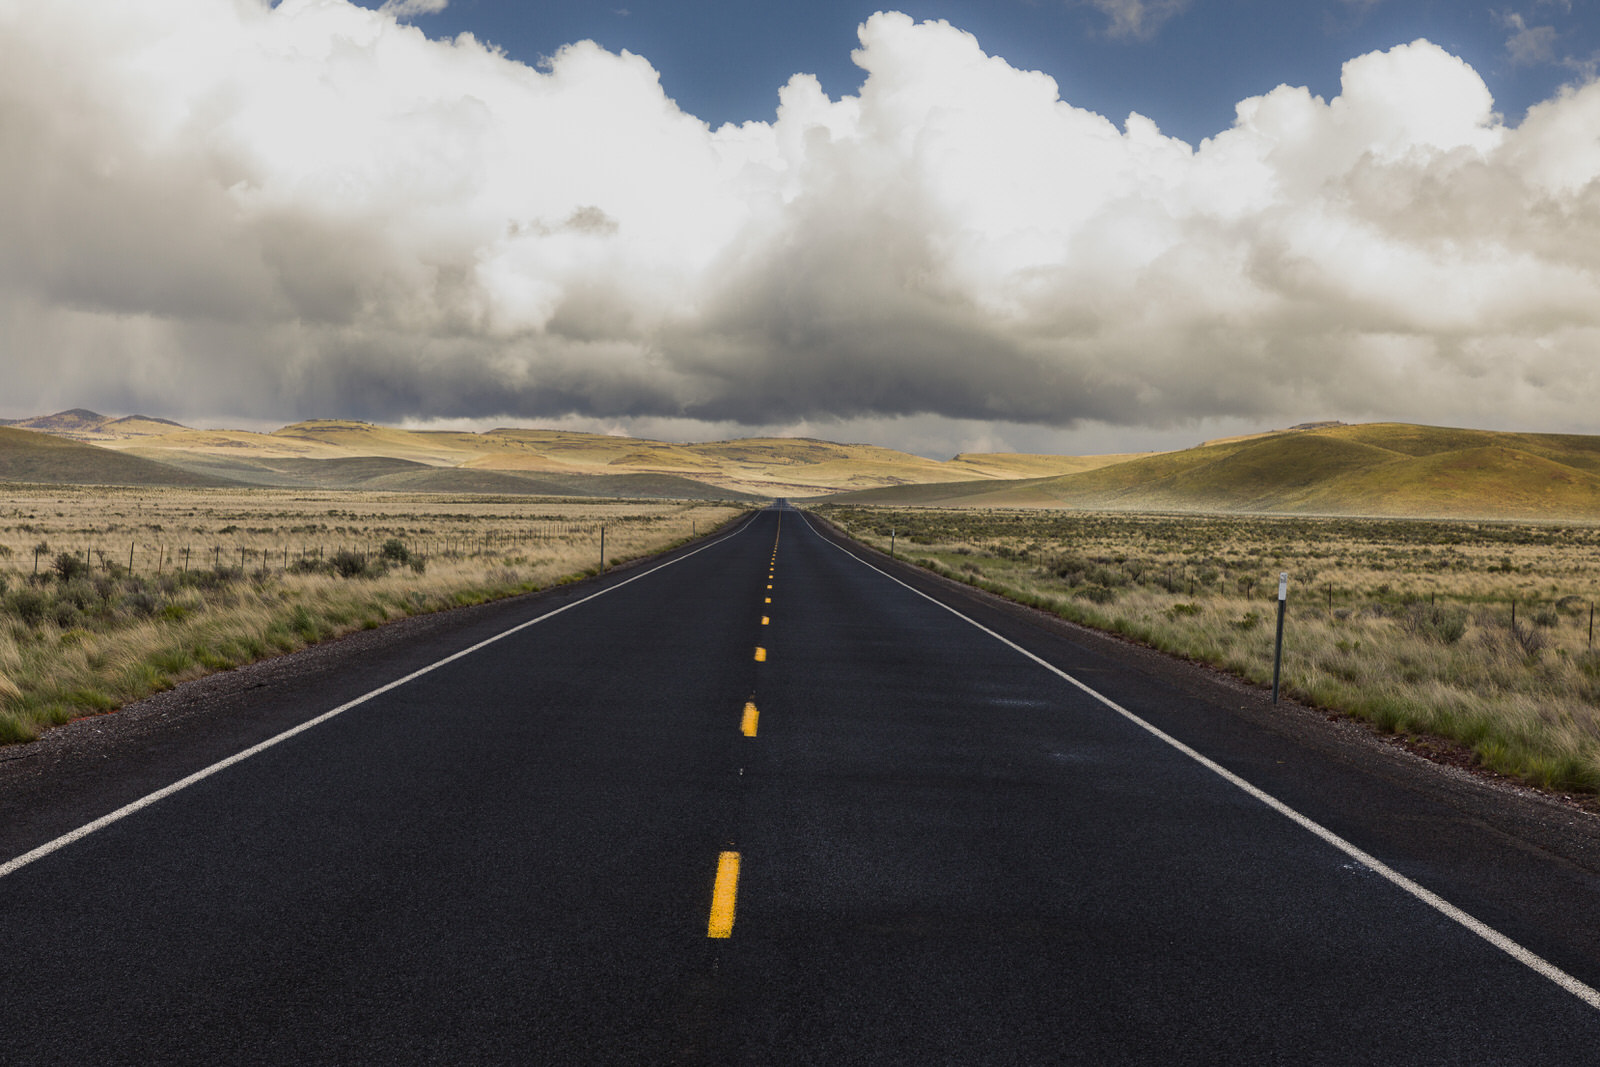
(748,725)
(761,654)
(722,897)
(766,620)
(769,600)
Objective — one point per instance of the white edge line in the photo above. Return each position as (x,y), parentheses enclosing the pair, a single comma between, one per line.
(1500,941)
(145,801)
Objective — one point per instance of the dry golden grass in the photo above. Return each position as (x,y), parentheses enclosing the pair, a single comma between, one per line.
(1476,632)
(762,466)
(224,577)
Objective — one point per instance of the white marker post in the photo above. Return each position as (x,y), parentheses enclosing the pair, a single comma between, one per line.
(1277,653)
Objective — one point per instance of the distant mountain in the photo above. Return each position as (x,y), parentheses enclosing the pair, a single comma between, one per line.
(1371,469)
(81,424)
(77,420)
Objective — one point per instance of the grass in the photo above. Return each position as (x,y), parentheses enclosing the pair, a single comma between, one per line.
(1476,632)
(30,456)
(563,462)
(1373,469)
(220,578)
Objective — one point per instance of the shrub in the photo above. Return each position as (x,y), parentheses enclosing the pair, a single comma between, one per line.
(1572,605)
(29,605)
(1436,622)
(349,564)
(1071,568)
(216,579)
(1096,594)
(395,551)
(67,567)
(1531,640)
(142,603)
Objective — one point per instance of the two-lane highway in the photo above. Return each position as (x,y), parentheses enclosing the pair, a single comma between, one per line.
(766,803)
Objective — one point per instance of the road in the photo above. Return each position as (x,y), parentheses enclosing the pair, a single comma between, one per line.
(772,799)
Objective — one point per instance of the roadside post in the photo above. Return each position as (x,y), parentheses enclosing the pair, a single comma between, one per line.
(1277,652)
(602,548)
(891,542)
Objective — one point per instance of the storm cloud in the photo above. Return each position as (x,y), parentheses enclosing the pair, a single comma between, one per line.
(272,212)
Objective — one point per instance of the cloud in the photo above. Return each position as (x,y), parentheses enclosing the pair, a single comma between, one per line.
(1528,46)
(405,9)
(311,208)
(1139,19)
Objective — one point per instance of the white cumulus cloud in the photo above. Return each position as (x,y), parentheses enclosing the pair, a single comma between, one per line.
(224,205)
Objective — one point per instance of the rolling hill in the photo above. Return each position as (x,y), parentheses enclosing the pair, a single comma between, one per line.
(1372,469)
(759,467)
(31,456)
(1317,468)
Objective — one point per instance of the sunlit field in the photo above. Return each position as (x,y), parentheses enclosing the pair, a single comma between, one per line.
(1481,633)
(108,595)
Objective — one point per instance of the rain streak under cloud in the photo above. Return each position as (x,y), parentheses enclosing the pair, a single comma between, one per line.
(265,213)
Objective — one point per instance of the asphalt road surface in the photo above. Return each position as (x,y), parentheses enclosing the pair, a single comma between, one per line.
(764,801)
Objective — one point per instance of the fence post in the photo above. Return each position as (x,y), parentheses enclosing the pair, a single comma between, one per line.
(1277,654)
(602,548)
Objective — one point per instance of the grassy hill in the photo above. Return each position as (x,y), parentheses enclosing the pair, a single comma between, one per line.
(31,456)
(1373,469)
(1317,468)
(404,475)
(757,467)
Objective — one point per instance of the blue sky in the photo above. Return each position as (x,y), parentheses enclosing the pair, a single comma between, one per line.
(724,61)
(247,212)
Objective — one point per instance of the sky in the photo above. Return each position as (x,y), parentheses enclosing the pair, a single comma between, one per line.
(1022,225)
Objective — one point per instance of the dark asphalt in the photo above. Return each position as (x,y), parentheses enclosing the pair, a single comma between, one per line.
(949,855)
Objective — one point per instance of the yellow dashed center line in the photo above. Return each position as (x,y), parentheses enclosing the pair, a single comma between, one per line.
(722,897)
(761,654)
(747,725)
(766,620)
(769,600)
